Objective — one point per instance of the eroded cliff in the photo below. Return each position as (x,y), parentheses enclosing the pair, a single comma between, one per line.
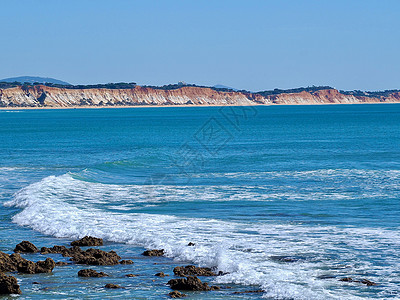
(45,96)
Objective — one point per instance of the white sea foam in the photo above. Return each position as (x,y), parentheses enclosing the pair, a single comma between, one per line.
(65,207)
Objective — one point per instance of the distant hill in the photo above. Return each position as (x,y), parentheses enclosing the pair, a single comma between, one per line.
(33,79)
(220,86)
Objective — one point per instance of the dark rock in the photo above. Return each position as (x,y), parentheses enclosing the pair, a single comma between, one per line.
(367,282)
(250,292)
(346,279)
(191,244)
(326,277)
(285,259)
(126,262)
(9,263)
(96,257)
(190,283)
(161,274)
(112,286)
(91,273)
(220,273)
(215,288)
(35,282)
(193,270)
(45,266)
(6,263)
(88,241)
(26,247)
(364,281)
(29,267)
(153,252)
(176,294)
(9,285)
(131,275)
(54,249)
(61,264)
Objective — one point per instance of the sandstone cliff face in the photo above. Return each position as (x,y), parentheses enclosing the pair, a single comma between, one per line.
(44,96)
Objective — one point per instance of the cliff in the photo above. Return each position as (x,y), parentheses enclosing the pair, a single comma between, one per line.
(45,96)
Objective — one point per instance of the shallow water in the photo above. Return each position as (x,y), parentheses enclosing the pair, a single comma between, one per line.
(288,199)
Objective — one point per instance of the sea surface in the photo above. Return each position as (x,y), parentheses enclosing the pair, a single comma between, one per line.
(288,199)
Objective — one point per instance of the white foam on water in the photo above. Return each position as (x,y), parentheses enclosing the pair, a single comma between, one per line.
(65,207)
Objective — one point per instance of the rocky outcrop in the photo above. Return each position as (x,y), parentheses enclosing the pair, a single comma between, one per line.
(91,273)
(29,267)
(160,274)
(126,262)
(88,241)
(26,247)
(112,286)
(176,294)
(193,270)
(96,257)
(90,256)
(363,281)
(190,283)
(9,285)
(14,262)
(154,252)
(45,96)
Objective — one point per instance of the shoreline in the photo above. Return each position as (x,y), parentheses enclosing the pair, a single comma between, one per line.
(183,105)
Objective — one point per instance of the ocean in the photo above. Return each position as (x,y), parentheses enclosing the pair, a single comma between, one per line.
(287,199)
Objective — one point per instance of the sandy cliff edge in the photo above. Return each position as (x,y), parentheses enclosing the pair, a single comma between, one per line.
(41,96)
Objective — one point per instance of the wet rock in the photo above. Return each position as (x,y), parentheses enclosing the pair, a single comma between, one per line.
(29,267)
(346,279)
(6,263)
(26,247)
(88,241)
(61,264)
(326,277)
(35,282)
(126,262)
(112,286)
(96,257)
(363,281)
(250,292)
(215,288)
(191,244)
(193,270)
(153,252)
(91,273)
(190,283)
(14,262)
(9,285)
(54,249)
(161,274)
(9,263)
(176,294)
(131,275)
(284,259)
(368,282)
(45,266)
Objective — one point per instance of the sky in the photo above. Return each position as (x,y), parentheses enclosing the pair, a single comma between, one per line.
(249,44)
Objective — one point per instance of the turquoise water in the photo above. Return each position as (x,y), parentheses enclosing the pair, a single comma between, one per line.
(284,198)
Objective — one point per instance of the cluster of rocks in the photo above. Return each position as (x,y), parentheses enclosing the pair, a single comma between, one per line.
(363,281)
(16,263)
(8,285)
(91,273)
(97,257)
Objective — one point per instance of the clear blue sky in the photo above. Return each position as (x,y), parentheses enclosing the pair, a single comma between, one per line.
(254,45)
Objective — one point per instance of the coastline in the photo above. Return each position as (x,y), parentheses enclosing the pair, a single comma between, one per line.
(178,105)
